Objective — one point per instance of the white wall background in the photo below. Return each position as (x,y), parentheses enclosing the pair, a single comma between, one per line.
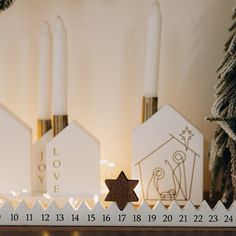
(106,62)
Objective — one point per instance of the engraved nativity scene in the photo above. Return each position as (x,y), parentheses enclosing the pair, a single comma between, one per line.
(171,167)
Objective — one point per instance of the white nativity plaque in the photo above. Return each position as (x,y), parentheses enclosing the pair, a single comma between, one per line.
(39,164)
(73,163)
(167,158)
(15,153)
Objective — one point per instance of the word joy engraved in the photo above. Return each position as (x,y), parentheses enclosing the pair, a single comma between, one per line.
(56,173)
(41,168)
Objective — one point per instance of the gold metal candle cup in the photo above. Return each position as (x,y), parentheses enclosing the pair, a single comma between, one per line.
(59,123)
(43,127)
(149,107)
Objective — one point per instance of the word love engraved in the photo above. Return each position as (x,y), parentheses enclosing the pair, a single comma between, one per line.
(56,171)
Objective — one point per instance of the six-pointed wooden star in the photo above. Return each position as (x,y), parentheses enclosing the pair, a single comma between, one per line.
(121,190)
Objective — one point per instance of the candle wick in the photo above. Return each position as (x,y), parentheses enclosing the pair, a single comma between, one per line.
(59,26)
(155,5)
(45,28)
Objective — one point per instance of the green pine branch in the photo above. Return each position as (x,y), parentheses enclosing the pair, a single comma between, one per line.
(211,118)
(4,4)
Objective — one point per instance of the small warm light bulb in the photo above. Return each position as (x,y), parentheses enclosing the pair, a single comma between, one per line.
(103,162)
(73,203)
(14,193)
(138,191)
(47,195)
(76,203)
(96,198)
(45,202)
(111,165)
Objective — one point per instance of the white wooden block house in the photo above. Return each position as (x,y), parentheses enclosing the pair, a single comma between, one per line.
(73,167)
(167,158)
(15,153)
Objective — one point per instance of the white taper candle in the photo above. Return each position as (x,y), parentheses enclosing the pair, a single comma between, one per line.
(45,72)
(59,81)
(152,51)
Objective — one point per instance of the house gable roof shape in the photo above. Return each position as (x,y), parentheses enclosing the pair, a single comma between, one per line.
(160,125)
(46,136)
(159,114)
(14,116)
(72,126)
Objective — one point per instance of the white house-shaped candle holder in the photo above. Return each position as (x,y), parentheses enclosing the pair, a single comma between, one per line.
(73,163)
(15,153)
(167,158)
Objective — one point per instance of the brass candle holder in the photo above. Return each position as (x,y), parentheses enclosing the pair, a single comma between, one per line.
(149,107)
(59,123)
(43,127)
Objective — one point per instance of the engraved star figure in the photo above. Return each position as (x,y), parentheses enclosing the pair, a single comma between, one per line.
(186,136)
(121,190)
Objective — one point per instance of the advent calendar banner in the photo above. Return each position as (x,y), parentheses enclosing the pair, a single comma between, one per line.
(98,215)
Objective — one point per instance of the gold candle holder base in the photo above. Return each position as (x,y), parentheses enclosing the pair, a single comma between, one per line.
(43,127)
(59,123)
(149,107)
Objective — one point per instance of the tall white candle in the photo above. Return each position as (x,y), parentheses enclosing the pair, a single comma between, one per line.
(152,51)
(59,84)
(45,72)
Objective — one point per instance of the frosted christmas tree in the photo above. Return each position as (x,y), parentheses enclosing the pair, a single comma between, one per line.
(4,4)
(223,146)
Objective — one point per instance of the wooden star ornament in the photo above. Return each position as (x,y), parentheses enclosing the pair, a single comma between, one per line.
(121,190)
